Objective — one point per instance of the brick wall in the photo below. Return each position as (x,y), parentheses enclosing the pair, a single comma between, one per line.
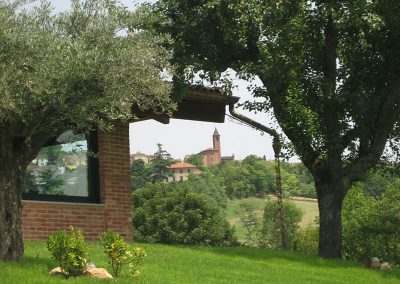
(39,219)
(211,157)
(115,179)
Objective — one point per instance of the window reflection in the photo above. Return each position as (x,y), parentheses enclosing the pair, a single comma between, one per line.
(61,168)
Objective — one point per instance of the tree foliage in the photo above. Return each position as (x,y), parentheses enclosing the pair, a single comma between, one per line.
(248,217)
(159,165)
(195,159)
(306,239)
(140,175)
(252,177)
(74,69)
(256,177)
(50,179)
(208,185)
(270,236)
(370,225)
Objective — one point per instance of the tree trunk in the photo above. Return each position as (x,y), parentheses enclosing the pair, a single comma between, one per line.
(330,200)
(11,243)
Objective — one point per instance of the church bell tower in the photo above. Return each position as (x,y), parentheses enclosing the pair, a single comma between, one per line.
(217,147)
(216,140)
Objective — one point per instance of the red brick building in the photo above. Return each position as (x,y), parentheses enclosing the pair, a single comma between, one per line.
(212,156)
(105,202)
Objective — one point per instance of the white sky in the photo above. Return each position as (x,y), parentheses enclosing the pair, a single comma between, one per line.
(182,137)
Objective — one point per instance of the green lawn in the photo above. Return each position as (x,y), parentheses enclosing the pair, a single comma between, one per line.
(309,208)
(182,264)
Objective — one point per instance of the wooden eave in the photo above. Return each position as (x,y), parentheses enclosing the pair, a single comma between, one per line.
(200,104)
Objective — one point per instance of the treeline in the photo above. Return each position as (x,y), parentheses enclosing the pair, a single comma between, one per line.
(251,177)
(256,177)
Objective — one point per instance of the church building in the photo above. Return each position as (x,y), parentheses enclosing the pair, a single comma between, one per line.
(212,156)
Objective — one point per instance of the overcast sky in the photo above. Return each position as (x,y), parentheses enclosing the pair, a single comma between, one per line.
(182,137)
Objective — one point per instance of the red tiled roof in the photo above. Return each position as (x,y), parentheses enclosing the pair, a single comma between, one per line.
(181,165)
(228,157)
(138,154)
(208,150)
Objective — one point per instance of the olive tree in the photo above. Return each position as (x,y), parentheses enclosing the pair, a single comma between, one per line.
(73,70)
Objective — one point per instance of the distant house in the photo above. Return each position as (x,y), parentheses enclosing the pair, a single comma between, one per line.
(40,160)
(181,171)
(212,156)
(73,161)
(141,156)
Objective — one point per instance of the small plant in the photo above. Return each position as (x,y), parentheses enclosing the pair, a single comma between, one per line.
(119,253)
(249,220)
(270,232)
(70,250)
(307,238)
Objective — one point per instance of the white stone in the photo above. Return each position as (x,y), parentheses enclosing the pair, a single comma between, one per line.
(375,263)
(56,271)
(386,265)
(98,273)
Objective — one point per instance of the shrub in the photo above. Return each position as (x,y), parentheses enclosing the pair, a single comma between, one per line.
(371,227)
(248,217)
(270,232)
(169,213)
(70,250)
(307,238)
(208,185)
(120,254)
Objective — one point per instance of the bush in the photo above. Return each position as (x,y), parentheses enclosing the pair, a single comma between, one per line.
(307,238)
(119,253)
(70,250)
(208,185)
(248,217)
(169,213)
(270,232)
(371,227)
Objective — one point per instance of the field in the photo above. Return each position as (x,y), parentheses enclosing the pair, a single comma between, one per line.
(183,264)
(309,208)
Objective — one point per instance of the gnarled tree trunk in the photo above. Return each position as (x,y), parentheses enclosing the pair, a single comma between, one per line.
(11,243)
(16,152)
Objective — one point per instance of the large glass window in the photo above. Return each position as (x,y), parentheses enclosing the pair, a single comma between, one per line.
(65,170)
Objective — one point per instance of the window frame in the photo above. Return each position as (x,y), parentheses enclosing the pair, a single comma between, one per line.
(93,178)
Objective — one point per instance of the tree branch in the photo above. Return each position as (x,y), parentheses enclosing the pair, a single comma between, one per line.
(300,140)
(384,125)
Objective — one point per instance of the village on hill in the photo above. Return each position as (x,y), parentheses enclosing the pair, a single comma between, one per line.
(181,170)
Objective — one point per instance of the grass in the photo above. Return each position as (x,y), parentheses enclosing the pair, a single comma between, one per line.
(184,264)
(309,208)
